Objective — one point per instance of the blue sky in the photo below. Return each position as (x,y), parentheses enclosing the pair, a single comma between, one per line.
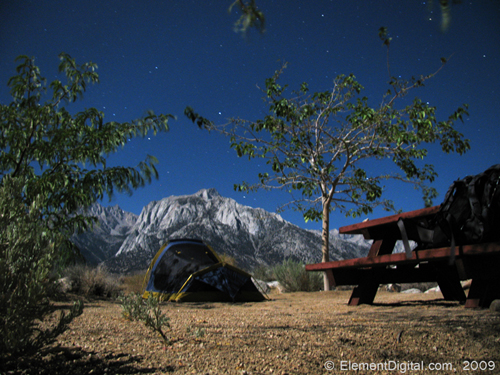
(166,55)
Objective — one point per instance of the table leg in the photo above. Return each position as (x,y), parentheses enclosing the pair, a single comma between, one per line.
(363,293)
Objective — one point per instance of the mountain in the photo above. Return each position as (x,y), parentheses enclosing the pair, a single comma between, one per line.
(252,236)
(107,236)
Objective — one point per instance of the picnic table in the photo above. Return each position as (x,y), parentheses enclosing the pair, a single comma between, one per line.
(479,262)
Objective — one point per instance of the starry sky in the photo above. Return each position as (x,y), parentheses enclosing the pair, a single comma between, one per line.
(165,55)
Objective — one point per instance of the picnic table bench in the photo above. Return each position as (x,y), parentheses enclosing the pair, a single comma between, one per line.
(479,262)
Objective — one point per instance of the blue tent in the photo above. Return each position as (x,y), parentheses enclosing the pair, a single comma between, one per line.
(189,270)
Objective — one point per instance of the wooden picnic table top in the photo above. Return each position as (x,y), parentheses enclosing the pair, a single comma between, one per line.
(400,258)
(386,226)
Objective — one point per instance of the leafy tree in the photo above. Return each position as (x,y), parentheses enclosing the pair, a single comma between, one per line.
(52,163)
(61,157)
(332,146)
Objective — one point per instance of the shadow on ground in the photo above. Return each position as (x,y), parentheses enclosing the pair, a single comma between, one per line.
(75,361)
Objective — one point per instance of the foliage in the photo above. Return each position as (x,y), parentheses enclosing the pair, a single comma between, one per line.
(293,277)
(27,251)
(52,163)
(263,273)
(92,281)
(61,157)
(250,17)
(148,311)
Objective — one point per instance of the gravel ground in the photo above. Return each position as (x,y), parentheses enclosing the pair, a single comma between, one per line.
(296,333)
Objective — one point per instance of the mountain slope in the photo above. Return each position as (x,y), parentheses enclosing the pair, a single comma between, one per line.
(107,236)
(252,236)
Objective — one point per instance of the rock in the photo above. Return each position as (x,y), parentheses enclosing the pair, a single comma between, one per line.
(273,284)
(276,285)
(107,236)
(65,285)
(433,290)
(261,285)
(396,288)
(495,306)
(412,291)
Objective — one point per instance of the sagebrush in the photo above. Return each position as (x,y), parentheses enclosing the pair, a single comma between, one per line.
(92,281)
(293,277)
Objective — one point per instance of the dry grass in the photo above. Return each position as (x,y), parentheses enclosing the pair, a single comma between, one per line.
(133,283)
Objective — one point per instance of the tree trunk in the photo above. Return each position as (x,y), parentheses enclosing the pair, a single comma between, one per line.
(325,239)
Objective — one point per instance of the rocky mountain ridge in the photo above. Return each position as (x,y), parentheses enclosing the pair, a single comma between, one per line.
(107,235)
(252,236)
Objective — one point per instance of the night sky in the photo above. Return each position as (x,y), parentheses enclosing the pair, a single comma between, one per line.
(166,55)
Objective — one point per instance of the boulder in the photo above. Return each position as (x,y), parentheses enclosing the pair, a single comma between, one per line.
(396,288)
(65,285)
(412,291)
(495,306)
(262,286)
(433,290)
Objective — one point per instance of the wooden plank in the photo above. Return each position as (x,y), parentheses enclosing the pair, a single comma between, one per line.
(404,274)
(482,292)
(448,280)
(364,227)
(331,279)
(363,294)
(382,247)
(400,258)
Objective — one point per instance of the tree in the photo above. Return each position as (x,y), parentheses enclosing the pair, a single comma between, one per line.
(326,145)
(61,157)
(53,163)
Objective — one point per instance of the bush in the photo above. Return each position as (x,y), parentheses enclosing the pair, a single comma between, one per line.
(264,273)
(293,277)
(92,281)
(28,253)
(148,311)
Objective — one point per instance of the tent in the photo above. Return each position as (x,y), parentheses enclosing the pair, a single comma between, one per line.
(189,270)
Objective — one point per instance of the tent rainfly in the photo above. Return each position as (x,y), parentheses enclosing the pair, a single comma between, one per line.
(187,270)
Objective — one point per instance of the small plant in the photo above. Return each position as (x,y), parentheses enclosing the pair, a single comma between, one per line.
(294,278)
(198,332)
(148,311)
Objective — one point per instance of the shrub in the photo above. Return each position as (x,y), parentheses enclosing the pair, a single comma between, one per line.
(93,281)
(28,252)
(148,311)
(293,277)
(264,273)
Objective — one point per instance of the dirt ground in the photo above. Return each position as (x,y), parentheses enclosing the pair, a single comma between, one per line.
(296,333)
